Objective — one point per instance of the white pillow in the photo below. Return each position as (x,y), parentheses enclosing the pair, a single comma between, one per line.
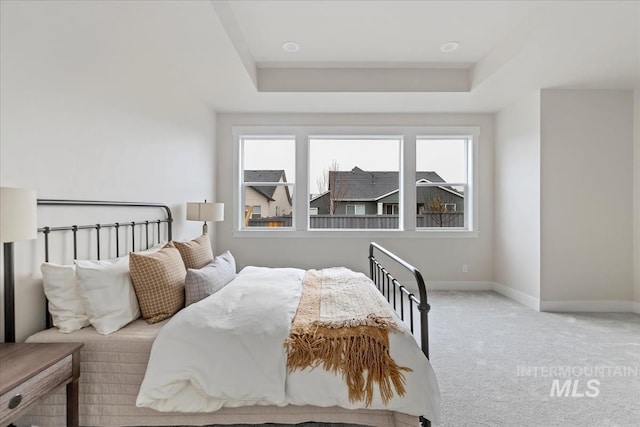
(60,287)
(107,293)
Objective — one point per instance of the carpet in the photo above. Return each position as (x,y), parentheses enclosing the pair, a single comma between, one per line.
(500,363)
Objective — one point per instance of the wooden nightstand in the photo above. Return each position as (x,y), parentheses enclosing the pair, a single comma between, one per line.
(30,371)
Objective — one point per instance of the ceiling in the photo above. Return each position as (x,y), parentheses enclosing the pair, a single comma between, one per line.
(379,32)
(384,56)
(355,56)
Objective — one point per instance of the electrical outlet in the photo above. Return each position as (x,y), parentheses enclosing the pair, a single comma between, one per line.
(465,268)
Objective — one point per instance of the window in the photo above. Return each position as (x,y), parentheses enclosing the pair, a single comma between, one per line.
(358,209)
(354,179)
(268,166)
(391,209)
(442,166)
(253,212)
(352,176)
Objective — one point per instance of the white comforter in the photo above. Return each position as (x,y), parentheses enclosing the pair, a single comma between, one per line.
(228,350)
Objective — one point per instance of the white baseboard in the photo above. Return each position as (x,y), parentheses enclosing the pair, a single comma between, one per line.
(518,296)
(459,286)
(569,306)
(510,293)
(601,306)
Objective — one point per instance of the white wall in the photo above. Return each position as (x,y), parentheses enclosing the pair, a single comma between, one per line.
(586,196)
(83,118)
(636,198)
(440,259)
(516,262)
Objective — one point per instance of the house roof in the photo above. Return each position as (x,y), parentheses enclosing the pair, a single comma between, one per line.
(277,175)
(266,175)
(360,185)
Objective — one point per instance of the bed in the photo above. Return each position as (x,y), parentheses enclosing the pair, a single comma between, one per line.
(113,366)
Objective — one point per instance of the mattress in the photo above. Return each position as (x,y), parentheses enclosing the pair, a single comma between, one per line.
(113,367)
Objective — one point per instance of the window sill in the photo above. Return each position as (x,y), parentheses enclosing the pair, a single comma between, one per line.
(354,234)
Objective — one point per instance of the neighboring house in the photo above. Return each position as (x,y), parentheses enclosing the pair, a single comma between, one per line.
(267,201)
(359,192)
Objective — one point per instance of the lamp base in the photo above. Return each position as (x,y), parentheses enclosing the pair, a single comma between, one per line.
(9,305)
(205,228)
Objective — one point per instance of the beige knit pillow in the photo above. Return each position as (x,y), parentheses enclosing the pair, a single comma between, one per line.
(196,253)
(158,279)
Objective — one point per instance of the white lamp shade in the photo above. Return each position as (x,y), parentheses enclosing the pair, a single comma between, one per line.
(18,214)
(205,211)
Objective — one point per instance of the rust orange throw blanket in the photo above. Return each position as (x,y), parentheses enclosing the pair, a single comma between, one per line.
(343,325)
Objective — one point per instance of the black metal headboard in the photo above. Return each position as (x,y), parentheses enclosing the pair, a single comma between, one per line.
(118,226)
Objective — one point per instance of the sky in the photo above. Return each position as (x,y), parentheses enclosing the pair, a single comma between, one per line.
(445,157)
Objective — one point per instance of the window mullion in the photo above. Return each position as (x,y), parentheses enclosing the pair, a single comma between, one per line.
(471,219)
(408,183)
(301,198)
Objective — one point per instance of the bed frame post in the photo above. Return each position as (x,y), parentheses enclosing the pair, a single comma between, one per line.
(424,309)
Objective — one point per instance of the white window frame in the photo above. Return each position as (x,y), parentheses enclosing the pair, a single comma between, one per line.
(239,199)
(467,186)
(407,192)
(386,134)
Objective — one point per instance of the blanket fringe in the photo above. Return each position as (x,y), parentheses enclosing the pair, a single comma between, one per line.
(361,359)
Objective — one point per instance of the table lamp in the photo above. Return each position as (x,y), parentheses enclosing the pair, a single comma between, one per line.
(18,221)
(198,211)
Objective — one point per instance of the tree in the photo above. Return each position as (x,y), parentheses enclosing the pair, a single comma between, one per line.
(323,180)
(438,209)
(336,186)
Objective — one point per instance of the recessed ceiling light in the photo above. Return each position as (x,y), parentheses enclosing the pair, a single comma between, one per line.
(450,47)
(290,47)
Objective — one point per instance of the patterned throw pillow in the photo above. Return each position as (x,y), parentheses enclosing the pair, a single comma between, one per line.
(158,280)
(196,253)
(200,283)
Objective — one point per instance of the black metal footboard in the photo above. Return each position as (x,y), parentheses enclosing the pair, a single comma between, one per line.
(401,298)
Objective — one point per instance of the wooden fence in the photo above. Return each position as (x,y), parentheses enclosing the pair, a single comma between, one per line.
(386,222)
